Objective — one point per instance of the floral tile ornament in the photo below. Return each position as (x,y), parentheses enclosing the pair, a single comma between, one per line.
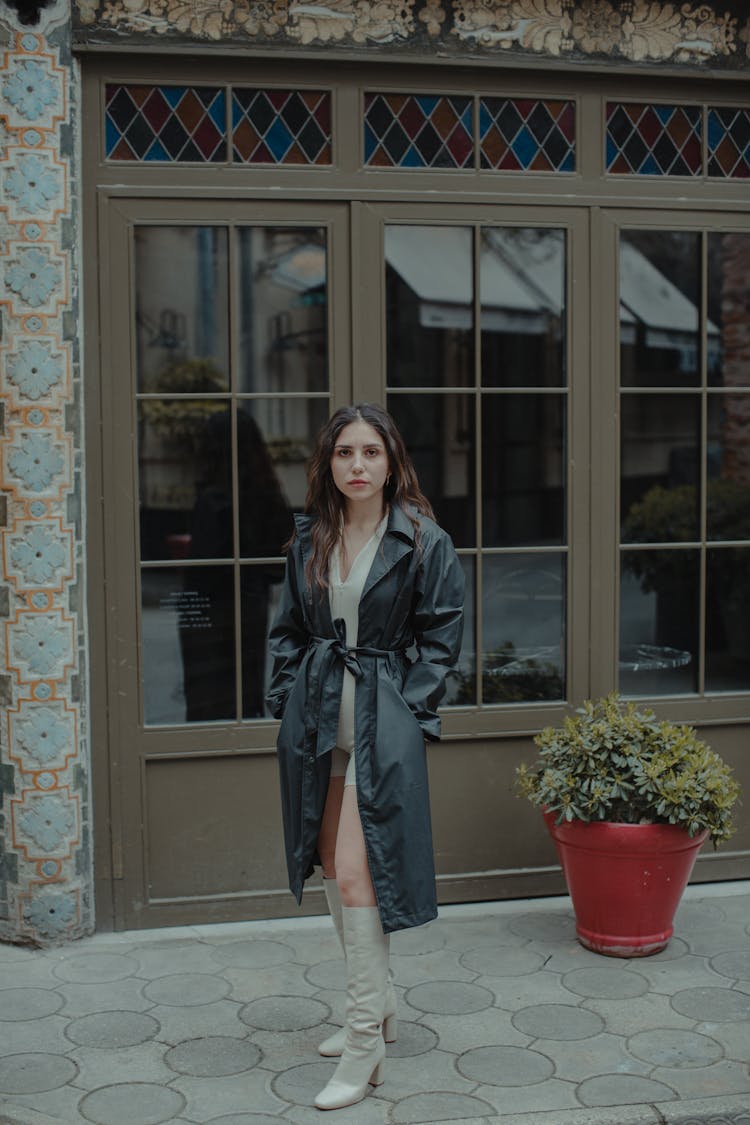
(45,823)
(34,185)
(41,645)
(34,92)
(36,368)
(34,277)
(50,912)
(38,554)
(38,461)
(42,736)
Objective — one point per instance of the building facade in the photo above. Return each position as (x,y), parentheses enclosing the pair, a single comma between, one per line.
(522,224)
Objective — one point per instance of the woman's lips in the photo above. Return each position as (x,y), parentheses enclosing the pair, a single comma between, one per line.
(357,483)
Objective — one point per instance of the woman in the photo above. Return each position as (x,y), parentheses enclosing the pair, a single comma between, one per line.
(368,627)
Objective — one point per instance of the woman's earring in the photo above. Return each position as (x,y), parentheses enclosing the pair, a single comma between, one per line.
(388,479)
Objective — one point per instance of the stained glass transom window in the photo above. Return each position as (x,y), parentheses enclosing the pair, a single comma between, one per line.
(654,140)
(729,143)
(517,134)
(281,126)
(418,131)
(173,124)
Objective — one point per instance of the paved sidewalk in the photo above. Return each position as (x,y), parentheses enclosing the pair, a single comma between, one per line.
(504,1018)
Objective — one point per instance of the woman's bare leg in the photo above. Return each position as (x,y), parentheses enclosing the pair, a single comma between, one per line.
(352,869)
(329,827)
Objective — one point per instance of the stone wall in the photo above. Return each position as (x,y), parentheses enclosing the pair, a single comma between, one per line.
(45,837)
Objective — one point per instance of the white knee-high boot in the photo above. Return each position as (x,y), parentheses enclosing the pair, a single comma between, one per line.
(361,1061)
(334,1044)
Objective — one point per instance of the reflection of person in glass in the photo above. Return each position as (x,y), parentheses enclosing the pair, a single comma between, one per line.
(369,575)
(208,646)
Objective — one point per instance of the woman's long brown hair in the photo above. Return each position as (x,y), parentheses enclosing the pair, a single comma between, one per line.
(326,502)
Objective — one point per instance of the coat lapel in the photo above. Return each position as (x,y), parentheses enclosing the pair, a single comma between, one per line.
(397,542)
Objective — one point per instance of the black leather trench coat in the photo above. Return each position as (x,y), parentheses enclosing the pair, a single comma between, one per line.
(412,600)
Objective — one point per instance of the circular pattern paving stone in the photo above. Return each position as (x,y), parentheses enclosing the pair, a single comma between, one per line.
(605,983)
(672,1048)
(213,1056)
(245,1119)
(419,939)
(440,1106)
(185,990)
(544,927)
(449,997)
(132,1103)
(35,1073)
(284,1013)
(253,954)
(714,1005)
(562,1022)
(622,1089)
(413,1039)
(505,1066)
(96,968)
(502,962)
(328,974)
(28,1003)
(112,1029)
(300,1084)
(734,964)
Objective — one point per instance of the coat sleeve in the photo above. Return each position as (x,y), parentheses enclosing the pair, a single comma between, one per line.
(287,640)
(438,615)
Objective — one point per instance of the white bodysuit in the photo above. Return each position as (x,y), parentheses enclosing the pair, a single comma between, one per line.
(344,598)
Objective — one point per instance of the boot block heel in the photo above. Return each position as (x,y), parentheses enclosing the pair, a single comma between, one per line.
(377,1077)
(390,1028)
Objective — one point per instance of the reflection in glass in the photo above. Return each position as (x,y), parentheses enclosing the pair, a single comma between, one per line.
(274,440)
(178,464)
(523,469)
(728,302)
(283,303)
(659,621)
(728,619)
(522,289)
(429,306)
(728,498)
(439,433)
(660,308)
(259,584)
(182,303)
(660,468)
(461,684)
(523,623)
(188,661)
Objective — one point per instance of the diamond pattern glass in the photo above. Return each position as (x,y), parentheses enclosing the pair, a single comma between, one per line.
(729,143)
(654,140)
(165,124)
(281,126)
(522,135)
(418,131)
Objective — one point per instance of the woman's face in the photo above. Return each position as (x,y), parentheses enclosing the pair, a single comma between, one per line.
(359,463)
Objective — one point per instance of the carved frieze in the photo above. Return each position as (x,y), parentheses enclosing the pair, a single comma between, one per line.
(635,31)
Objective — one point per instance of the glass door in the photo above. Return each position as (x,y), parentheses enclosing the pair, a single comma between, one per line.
(226,350)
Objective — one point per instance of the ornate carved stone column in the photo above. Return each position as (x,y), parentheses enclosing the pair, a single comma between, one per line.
(45,838)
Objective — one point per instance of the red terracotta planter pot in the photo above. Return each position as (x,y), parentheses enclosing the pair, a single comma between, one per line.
(625,880)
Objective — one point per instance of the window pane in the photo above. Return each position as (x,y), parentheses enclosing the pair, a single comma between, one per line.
(523,622)
(274,440)
(728,501)
(659,622)
(461,684)
(660,308)
(522,286)
(188,644)
(654,140)
(184,454)
(418,131)
(439,434)
(728,302)
(429,306)
(728,620)
(182,303)
(523,467)
(259,588)
(660,443)
(284,309)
